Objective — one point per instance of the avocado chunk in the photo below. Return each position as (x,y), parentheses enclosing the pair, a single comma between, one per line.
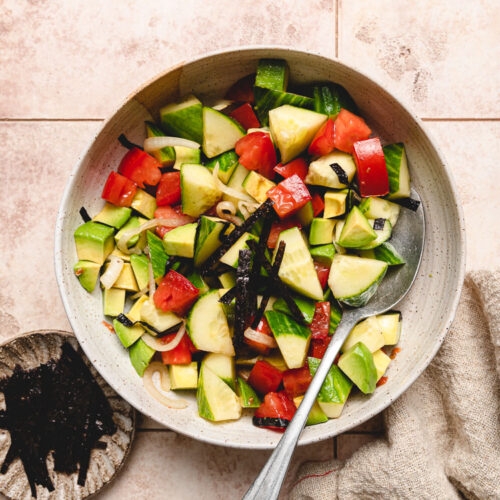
(127,335)
(257,186)
(323,254)
(114,301)
(357,363)
(199,191)
(305,215)
(316,415)
(322,173)
(381,361)
(184,119)
(87,273)
(207,238)
(184,376)
(335,203)
(126,279)
(140,266)
(113,216)
(132,223)
(140,356)
(94,242)
(377,208)
(397,169)
(180,241)
(248,397)
(367,331)
(156,318)
(357,231)
(144,203)
(321,231)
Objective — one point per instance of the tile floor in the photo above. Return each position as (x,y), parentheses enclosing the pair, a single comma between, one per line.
(67,64)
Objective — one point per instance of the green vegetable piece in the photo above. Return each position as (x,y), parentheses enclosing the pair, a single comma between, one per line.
(157,254)
(306,306)
(113,216)
(166,156)
(196,279)
(140,266)
(249,398)
(127,335)
(184,119)
(335,388)
(323,254)
(357,363)
(329,98)
(87,273)
(94,242)
(140,356)
(227,161)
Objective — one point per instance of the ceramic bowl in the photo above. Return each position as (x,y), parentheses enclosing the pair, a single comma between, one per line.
(427,310)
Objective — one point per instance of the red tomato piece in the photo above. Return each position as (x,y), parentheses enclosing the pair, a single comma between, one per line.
(318,204)
(298,166)
(140,167)
(323,272)
(289,196)
(180,355)
(245,116)
(256,152)
(279,226)
(169,189)
(119,190)
(264,377)
(276,405)
(321,320)
(318,347)
(262,327)
(348,129)
(372,170)
(296,381)
(175,217)
(175,293)
(242,90)
(324,141)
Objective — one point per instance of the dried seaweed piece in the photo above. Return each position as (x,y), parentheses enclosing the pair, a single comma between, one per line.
(242,291)
(281,423)
(122,139)
(378,224)
(408,203)
(341,173)
(85,215)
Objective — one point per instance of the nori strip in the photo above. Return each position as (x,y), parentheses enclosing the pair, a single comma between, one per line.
(242,291)
(378,224)
(172,329)
(231,238)
(222,234)
(229,296)
(126,143)
(341,173)
(408,203)
(85,215)
(282,423)
(125,321)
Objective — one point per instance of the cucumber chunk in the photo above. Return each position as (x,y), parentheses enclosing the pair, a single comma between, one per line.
(272,74)
(382,234)
(227,161)
(357,231)
(207,325)
(377,208)
(321,173)
(292,339)
(307,307)
(397,169)
(323,254)
(186,155)
(329,98)
(220,132)
(198,190)
(316,415)
(297,268)
(166,156)
(305,215)
(223,366)
(248,397)
(387,253)
(293,129)
(184,119)
(390,325)
(236,182)
(354,280)
(157,254)
(231,257)
(207,238)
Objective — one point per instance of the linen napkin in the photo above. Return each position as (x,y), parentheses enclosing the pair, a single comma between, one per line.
(442,436)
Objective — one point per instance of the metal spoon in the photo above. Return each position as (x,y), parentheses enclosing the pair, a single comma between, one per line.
(409,241)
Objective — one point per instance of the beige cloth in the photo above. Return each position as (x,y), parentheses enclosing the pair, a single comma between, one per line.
(443,434)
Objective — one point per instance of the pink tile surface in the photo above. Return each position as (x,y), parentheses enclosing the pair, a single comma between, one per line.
(443,58)
(84,57)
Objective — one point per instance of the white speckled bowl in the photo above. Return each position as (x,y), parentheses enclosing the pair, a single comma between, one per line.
(427,311)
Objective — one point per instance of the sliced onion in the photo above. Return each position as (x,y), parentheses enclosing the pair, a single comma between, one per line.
(226,189)
(152,283)
(244,374)
(222,210)
(125,237)
(247,208)
(259,337)
(140,293)
(111,274)
(150,386)
(221,104)
(152,144)
(160,346)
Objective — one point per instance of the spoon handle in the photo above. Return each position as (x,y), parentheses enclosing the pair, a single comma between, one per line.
(268,483)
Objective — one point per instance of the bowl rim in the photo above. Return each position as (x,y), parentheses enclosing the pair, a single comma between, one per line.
(63,291)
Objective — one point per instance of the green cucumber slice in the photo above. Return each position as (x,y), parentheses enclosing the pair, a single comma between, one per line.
(198,282)
(306,306)
(378,208)
(207,325)
(186,155)
(387,253)
(357,363)
(382,234)
(207,238)
(268,100)
(335,317)
(227,161)
(220,132)
(354,280)
(316,415)
(223,366)
(306,214)
(184,119)
(199,191)
(329,98)
(248,397)
(397,168)
(166,156)
(272,74)
(236,182)
(292,339)
(321,173)
(231,257)
(297,268)
(157,254)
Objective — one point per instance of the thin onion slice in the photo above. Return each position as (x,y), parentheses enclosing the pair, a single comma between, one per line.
(226,189)
(111,274)
(244,374)
(152,144)
(222,210)
(149,385)
(127,235)
(152,283)
(159,346)
(259,337)
(247,208)
(221,104)
(140,293)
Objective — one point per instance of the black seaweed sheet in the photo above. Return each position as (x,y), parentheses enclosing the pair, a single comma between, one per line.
(378,224)
(122,139)
(85,215)
(242,291)
(408,203)
(270,422)
(341,173)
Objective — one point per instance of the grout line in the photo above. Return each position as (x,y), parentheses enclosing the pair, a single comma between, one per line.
(153,430)
(337,28)
(3,119)
(467,119)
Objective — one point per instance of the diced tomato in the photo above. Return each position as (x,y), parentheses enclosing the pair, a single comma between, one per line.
(324,141)
(323,272)
(372,170)
(256,152)
(192,348)
(245,116)
(318,204)
(175,217)
(140,167)
(296,381)
(321,320)
(279,226)
(242,90)
(119,190)
(175,293)
(289,196)
(318,347)
(180,355)
(297,166)
(169,189)
(262,327)
(348,129)
(264,377)
(276,405)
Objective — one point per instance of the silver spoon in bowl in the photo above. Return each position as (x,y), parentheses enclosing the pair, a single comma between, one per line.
(409,240)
